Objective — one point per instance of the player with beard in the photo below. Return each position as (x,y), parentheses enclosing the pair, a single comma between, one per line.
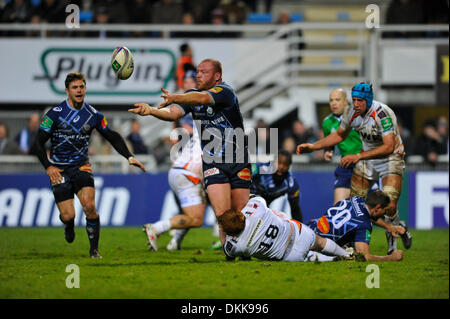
(215,108)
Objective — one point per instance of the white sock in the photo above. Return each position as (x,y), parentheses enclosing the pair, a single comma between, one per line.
(179,234)
(314,255)
(162,226)
(331,248)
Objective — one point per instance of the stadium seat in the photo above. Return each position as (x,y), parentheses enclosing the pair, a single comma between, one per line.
(296,17)
(86,16)
(255,17)
(35,3)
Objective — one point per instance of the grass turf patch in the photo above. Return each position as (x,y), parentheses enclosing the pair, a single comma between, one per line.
(33,264)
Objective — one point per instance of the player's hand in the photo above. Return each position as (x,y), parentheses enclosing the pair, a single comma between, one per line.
(397,255)
(305,148)
(168,98)
(141,109)
(347,160)
(135,162)
(396,231)
(328,155)
(55,175)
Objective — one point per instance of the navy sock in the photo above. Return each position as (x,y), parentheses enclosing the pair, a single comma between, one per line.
(93,231)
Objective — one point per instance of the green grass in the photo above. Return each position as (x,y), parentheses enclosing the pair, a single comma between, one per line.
(33,265)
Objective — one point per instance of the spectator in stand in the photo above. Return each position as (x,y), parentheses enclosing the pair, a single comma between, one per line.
(218,17)
(185,63)
(289,144)
(430,143)
(300,133)
(406,136)
(16,11)
(404,12)
(262,138)
(51,11)
(7,146)
(162,152)
(26,137)
(139,12)
(135,138)
(167,12)
(253,5)
(442,128)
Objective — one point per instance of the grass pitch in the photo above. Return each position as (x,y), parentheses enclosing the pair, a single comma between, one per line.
(33,264)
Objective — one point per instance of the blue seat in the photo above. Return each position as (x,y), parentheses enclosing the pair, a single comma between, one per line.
(296,17)
(255,17)
(343,16)
(86,16)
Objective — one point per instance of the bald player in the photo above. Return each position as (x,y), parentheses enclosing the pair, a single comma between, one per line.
(351,145)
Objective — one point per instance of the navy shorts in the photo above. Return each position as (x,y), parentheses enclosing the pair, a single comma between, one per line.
(238,175)
(343,176)
(74,179)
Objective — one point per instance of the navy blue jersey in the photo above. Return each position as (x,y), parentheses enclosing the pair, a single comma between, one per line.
(70,130)
(347,222)
(220,121)
(265,186)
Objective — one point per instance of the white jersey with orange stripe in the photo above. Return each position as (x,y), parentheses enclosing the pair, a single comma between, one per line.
(266,235)
(190,157)
(378,122)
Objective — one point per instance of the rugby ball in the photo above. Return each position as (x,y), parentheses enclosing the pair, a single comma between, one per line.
(122,63)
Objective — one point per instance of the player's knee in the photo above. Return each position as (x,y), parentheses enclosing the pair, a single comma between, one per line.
(88,206)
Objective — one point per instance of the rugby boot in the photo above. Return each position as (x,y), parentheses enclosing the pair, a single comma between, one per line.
(406,237)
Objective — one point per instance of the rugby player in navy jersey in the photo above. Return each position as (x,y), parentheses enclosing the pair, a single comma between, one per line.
(215,105)
(69,126)
(281,182)
(349,222)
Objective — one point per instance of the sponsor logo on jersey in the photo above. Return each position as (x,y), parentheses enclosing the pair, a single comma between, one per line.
(104,122)
(323,225)
(86,168)
(76,119)
(368,235)
(210,111)
(216,89)
(46,123)
(381,114)
(86,127)
(386,123)
(211,171)
(244,174)
(57,109)
(296,193)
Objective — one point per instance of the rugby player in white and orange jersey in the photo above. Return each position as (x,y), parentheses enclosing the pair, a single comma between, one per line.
(381,158)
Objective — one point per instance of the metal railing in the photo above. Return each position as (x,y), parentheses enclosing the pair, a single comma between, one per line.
(117,164)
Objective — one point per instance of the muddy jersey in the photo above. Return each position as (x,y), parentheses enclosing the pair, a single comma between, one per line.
(265,236)
(378,122)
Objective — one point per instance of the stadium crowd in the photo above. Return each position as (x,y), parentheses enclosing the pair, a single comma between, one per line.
(220,12)
(430,143)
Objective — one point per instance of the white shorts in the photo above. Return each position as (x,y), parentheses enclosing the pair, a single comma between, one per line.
(302,244)
(373,169)
(187,187)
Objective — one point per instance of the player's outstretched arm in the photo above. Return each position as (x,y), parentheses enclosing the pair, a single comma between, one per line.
(190,98)
(121,147)
(363,248)
(331,140)
(172,113)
